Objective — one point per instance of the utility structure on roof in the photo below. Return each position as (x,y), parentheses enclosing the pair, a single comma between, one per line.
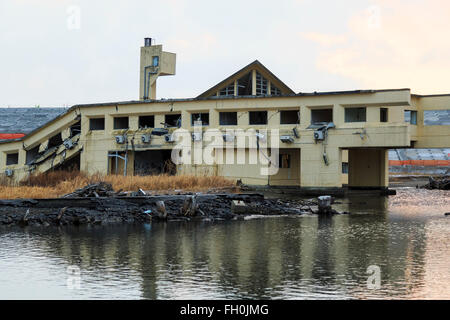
(319,140)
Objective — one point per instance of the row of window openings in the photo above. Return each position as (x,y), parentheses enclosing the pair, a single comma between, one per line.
(255,118)
(244,87)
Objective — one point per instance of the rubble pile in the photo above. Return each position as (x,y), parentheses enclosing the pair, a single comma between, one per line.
(441,183)
(100,204)
(97,190)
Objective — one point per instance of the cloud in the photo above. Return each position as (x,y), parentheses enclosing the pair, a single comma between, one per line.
(391,44)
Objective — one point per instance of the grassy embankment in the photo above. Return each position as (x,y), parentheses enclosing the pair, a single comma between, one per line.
(57,183)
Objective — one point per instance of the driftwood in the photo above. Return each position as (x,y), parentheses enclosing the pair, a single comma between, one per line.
(189,206)
(97,190)
(161,209)
(61,213)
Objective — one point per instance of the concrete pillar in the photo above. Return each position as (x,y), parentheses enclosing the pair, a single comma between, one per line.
(373,114)
(254,82)
(133,122)
(159,118)
(305,117)
(338,115)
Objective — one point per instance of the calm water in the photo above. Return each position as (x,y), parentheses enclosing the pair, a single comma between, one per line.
(305,257)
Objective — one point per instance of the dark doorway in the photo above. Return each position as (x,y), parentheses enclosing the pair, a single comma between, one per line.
(154,162)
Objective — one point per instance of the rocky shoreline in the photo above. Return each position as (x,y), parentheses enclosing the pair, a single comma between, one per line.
(107,207)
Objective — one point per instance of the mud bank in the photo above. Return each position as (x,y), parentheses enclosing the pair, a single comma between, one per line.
(141,209)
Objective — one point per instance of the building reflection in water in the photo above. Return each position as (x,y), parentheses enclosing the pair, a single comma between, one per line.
(287,258)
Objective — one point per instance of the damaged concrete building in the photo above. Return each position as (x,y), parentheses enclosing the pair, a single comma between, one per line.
(325,139)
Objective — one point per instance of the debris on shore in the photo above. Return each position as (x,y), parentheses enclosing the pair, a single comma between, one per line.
(100,204)
(441,183)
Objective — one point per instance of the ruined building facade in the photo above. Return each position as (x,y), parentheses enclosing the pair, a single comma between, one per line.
(324,139)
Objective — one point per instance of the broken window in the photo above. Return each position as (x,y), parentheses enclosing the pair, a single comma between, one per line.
(228,118)
(261,85)
(383,114)
(146,121)
(32,154)
(75,129)
(284,161)
(227,91)
(173,120)
(411,116)
(97,124)
(55,141)
(321,115)
(12,158)
(289,117)
(203,117)
(244,85)
(355,114)
(274,91)
(120,123)
(258,117)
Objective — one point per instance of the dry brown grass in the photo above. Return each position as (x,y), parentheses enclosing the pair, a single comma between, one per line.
(57,183)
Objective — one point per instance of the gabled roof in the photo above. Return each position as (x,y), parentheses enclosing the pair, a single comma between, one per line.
(266,73)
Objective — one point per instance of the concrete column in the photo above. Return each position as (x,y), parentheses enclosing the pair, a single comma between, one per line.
(185,119)
(373,114)
(213,118)
(159,118)
(338,115)
(305,117)
(109,123)
(133,122)
(254,82)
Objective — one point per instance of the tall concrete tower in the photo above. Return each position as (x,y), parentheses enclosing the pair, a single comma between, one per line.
(154,63)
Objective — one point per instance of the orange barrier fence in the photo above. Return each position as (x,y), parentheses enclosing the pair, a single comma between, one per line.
(423,163)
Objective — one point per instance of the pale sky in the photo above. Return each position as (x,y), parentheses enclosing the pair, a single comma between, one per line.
(61,53)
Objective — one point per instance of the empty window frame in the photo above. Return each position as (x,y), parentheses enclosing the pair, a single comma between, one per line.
(203,117)
(289,117)
(244,85)
(120,123)
(274,91)
(55,141)
(97,124)
(32,154)
(355,114)
(146,122)
(284,161)
(384,114)
(227,91)
(172,120)
(262,85)
(411,116)
(321,115)
(228,118)
(12,158)
(258,117)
